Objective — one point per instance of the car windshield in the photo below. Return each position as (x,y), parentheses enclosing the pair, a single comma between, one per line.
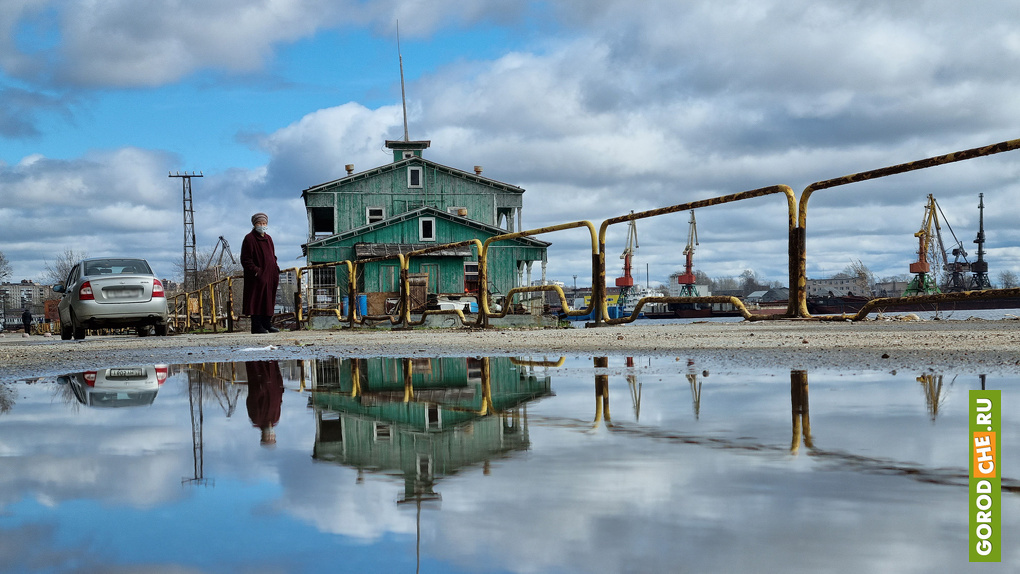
(116,267)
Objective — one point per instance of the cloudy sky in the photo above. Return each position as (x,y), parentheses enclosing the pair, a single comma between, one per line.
(595,107)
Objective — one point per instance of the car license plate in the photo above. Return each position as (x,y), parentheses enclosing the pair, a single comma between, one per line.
(122,292)
(127,372)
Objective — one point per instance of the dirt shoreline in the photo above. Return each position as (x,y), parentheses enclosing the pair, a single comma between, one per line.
(970,346)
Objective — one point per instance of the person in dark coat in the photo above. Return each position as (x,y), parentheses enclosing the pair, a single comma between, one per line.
(26,321)
(265,397)
(261,276)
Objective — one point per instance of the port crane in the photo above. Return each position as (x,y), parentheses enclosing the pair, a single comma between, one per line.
(924,283)
(931,249)
(980,267)
(686,280)
(626,283)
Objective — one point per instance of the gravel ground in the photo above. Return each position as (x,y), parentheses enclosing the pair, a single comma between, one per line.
(971,346)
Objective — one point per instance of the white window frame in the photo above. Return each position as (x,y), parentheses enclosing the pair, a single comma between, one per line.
(408,154)
(432,411)
(368,214)
(382,431)
(421,229)
(421,177)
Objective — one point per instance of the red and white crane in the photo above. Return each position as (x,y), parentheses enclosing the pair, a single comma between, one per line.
(626,283)
(686,280)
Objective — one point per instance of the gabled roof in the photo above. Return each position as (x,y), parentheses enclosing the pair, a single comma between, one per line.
(427,211)
(368,174)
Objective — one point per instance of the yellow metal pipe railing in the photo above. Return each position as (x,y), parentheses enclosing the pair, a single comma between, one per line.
(485,313)
(798,255)
(600,284)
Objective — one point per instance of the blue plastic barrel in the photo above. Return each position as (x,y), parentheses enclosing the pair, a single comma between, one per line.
(363,305)
(345,306)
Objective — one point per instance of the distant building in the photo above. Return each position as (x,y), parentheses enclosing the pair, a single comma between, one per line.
(776,295)
(15,297)
(890,288)
(836,287)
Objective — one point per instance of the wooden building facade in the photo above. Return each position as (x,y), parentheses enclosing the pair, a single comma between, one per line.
(410,204)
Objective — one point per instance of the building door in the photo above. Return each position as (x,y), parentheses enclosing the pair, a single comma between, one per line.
(433,270)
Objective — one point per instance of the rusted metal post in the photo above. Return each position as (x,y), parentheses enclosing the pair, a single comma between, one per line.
(230,304)
(212,307)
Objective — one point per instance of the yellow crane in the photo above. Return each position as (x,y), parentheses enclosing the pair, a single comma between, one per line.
(924,281)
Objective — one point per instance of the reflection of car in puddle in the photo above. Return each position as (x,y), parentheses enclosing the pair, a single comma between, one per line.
(117,386)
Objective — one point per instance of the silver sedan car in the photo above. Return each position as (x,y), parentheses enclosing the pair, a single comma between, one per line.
(111,293)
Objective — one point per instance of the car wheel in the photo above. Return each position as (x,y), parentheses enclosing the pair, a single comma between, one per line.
(160,330)
(78,331)
(65,331)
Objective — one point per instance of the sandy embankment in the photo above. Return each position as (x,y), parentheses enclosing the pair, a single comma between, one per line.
(972,346)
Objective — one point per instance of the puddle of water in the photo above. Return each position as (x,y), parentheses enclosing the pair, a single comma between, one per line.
(492,465)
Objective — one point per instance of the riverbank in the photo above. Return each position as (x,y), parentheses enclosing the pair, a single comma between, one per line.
(967,346)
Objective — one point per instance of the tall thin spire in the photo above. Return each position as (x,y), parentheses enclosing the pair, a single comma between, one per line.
(403,99)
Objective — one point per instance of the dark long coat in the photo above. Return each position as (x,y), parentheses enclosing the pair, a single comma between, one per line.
(261,274)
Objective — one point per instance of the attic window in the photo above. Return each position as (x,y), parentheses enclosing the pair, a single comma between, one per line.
(322,221)
(427,229)
(414,177)
(375,214)
(408,154)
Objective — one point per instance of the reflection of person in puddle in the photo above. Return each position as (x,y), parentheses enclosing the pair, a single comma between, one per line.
(265,395)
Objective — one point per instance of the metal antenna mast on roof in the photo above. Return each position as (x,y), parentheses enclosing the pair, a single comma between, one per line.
(403,99)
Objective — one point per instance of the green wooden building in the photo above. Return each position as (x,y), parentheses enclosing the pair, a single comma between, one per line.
(410,204)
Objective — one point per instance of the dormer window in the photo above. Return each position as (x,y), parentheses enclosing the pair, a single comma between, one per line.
(414,178)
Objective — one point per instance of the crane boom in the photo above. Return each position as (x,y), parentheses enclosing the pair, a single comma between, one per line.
(224,249)
(628,254)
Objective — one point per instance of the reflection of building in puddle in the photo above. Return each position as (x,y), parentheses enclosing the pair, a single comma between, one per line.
(116,387)
(422,418)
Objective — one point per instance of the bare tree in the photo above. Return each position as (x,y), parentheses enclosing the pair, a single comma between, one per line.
(7,398)
(57,272)
(863,278)
(750,282)
(5,267)
(725,284)
(1008,280)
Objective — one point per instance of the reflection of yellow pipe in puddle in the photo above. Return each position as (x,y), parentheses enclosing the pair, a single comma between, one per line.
(408,384)
(799,407)
(601,394)
(524,363)
(355,377)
